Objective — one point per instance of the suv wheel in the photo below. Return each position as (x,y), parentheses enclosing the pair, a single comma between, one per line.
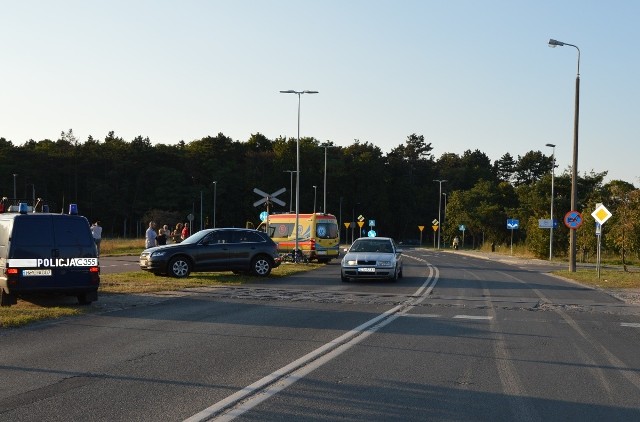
(261,266)
(179,267)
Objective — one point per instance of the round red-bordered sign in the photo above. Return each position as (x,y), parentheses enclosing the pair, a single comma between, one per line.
(573,219)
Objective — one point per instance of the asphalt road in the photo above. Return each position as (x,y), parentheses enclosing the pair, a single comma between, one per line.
(458,338)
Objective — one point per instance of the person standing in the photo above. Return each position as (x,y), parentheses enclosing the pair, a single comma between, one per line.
(150,235)
(177,233)
(185,231)
(96,231)
(161,238)
(167,233)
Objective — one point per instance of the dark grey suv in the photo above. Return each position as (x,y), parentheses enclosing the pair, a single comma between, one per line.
(229,249)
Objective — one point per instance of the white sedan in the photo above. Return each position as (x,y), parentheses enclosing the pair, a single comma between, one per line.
(372,257)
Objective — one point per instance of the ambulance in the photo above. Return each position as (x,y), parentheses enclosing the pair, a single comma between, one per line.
(318,235)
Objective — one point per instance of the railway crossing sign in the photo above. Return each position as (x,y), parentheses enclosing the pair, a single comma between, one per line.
(573,219)
(269,198)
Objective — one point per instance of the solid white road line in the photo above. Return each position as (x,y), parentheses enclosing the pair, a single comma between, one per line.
(252,395)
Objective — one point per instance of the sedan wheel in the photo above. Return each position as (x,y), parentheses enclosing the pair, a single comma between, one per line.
(261,266)
(179,267)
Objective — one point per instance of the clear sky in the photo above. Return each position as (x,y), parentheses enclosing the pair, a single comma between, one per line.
(466,74)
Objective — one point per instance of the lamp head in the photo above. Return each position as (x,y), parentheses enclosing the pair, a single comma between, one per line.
(551,145)
(555,43)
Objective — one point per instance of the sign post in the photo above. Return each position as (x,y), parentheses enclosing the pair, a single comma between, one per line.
(420,228)
(601,215)
(512,225)
(435,225)
(267,200)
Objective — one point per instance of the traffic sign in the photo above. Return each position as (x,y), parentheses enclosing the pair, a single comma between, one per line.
(547,223)
(462,228)
(372,223)
(420,228)
(513,224)
(266,198)
(435,228)
(264,215)
(435,222)
(601,214)
(573,219)
(371,233)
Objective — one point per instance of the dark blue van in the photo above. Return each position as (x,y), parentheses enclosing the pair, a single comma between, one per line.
(47,253)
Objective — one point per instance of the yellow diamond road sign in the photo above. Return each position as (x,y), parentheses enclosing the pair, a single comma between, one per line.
(601,214)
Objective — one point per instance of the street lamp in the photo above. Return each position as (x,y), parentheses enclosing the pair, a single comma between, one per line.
(215,194)
(439,209)
(574,168)
(14,185)
(325,146)
(290,188)
(553,171)
(298,93)
(444,217)
(315,189)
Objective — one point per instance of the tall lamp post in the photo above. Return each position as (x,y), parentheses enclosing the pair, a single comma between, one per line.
(315,190)
(574,168)
(444,216)
(291,188)
(298,93)
(553,176)
(14,185)
(439,209)
(325,146)
(215,194)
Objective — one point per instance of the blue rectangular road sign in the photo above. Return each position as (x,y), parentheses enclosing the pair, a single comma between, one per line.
(547,223)
(513,224)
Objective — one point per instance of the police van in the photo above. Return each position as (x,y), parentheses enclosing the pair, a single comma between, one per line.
(43,252)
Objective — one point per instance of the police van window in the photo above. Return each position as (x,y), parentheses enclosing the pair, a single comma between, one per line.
(32,232)
(327,230)
(71,232)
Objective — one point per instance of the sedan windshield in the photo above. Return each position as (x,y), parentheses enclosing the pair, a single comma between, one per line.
(372,246)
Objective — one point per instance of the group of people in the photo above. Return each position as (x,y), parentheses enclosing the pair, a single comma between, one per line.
(165,235)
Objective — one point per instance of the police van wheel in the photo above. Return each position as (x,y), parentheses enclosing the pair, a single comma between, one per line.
(83,299)
(7,299)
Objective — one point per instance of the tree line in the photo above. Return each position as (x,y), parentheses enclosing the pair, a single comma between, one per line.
(125,184)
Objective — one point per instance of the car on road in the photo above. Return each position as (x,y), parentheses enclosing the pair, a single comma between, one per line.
(223,249)
(372,257)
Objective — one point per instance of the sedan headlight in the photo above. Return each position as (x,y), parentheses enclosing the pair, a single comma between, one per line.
(385,263)
(350,262)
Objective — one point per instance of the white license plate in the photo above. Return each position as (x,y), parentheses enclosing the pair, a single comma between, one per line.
(367,270)
(36,273)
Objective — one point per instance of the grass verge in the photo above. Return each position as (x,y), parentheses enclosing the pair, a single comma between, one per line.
(609,279)
(43,308)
